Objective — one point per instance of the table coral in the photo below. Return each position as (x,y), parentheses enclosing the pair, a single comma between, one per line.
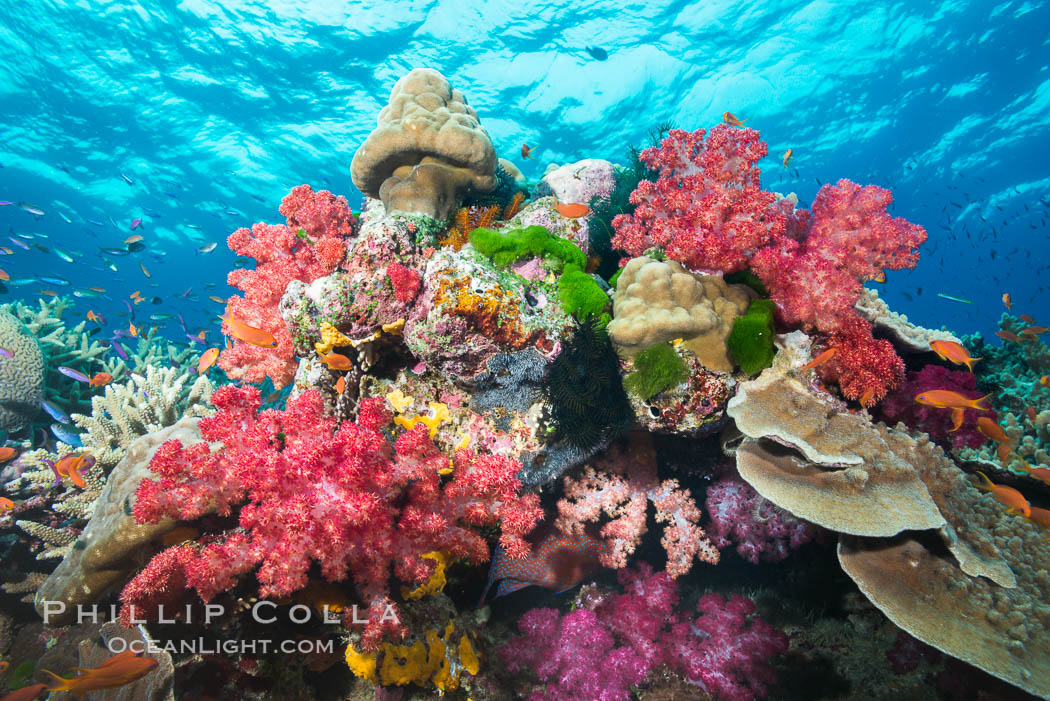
(364,507)
(281,257)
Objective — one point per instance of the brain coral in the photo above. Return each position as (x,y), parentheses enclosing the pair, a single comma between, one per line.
(659,301)
(21,376)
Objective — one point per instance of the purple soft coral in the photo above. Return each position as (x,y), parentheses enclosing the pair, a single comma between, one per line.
(759,529)
(900,405)
(600,654)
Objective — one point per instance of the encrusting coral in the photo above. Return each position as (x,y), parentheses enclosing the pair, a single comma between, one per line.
(428,150)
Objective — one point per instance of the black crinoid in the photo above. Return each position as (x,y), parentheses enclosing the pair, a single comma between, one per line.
(506,188)
(584,397)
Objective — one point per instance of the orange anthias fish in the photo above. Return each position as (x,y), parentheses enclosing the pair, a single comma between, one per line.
(525,151)
(571,211)
(820,359)
(1009,497)
(134,238)
(957,419)
(946,399)
(117,671)
(144,271)
(132,330)
(1034,330)
(1040,517)
(100,380)
(208,359)
(1007,302)
(730,119)
(868,398)
(4,276)
(8,453)
(992,430)
(953,352)
(1007,336)
(340,384)
(788,156)
(1044,380)
(6,505)
(1040,473)
(1031,414)
(250,334)
(218,300)
(335,361)
(70,466)
(26,693)
(1025,318)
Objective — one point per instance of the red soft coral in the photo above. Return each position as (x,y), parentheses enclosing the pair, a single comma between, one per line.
(864,368)
(708,211)
(281,256)
(310,491)
(405,281)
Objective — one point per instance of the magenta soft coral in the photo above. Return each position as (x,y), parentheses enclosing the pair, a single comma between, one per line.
(282,255)
(313,491)
(708,210)
(599,654)
(900,405)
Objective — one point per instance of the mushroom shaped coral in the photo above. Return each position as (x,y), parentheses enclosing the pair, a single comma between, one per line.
(21,375)
(659,301)
(428,150)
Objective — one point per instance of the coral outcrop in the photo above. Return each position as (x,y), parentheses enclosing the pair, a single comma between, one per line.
(428,151)
(21,374)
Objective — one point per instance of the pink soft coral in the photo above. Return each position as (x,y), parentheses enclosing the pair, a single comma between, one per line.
(622,490)
(708,210)
(282,254)
(309,491)
(741,516)
(600,653)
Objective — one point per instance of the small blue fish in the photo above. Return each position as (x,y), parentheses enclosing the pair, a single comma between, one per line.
(128,180)
(160,317)
(66,436)
(63,255)
(75,374)
(20,244)
(55,413)
(208,248)
(597,53)
(32,209)
(18,282)
(96,222)
(86,293)
(120,350)
(66,219)
(60,281)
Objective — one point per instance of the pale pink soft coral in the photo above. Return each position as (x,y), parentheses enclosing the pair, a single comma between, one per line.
(622,490)
(282,254)
(310,490)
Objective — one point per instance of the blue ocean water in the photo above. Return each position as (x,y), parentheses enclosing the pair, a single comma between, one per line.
(214,110)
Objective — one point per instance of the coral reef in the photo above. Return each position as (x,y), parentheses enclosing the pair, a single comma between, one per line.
(428,150)
(21,374)
(900,406)
(309,246)
(373,507)
(708,211)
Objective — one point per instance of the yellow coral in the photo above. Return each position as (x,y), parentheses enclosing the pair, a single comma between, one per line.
(436,581)
(331,338)
(437,660)
(395,328)
(439,415)
(399,400)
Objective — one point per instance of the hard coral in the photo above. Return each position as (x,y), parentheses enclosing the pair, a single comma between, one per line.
(311,491)
(281,257)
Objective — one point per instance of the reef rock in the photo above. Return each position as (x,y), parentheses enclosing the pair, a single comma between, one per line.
(111,537)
